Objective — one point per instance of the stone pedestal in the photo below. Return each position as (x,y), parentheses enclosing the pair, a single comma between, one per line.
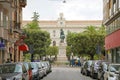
(61,57)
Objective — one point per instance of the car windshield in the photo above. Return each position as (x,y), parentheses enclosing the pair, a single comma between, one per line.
(114,68)
(89,63)
(7,69)
(18,68)
(34,65)
(105,66)
(26,65)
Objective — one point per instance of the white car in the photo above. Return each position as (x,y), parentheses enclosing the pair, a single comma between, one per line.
(113,72)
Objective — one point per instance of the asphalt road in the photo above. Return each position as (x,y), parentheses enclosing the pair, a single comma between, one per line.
(66,73)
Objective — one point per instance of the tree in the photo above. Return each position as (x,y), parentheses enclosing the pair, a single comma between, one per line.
(38,39)
(34,24)
(85,43)
(52,50)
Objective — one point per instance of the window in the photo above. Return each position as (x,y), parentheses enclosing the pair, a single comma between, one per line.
(1,18)
(54,32)
(61,23)
(119,3)
(5,20)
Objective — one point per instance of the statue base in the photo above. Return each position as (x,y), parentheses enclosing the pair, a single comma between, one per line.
(61,57)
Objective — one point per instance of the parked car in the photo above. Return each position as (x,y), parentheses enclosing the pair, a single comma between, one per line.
(13,71)
(102,68)
(44,68)
(29,69)
(86,67)
(83,68)
(94,68)
(41,70)
(35,71)
(49,66)
(113,72)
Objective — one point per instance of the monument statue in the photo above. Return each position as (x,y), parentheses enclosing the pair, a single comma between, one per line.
(62,36)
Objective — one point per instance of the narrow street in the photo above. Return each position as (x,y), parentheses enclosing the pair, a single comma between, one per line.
(66,73)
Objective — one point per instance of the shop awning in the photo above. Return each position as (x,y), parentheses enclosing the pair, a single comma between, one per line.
(24,47)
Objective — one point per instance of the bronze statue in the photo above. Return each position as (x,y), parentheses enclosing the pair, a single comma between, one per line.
(62,35)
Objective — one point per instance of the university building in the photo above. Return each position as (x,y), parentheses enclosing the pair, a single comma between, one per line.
(111,19)
(54,27)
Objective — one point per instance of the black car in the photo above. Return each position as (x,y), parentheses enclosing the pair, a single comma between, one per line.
(13,71)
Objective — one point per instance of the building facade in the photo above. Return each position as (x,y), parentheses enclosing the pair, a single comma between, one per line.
(54,27)
(111,19)
(10,29)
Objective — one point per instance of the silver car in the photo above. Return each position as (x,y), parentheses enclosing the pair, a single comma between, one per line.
(113,72)
(41,70)
(13,71)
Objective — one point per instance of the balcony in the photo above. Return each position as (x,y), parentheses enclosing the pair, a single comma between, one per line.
(23,3)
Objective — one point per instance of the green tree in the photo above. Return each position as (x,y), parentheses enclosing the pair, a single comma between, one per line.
(35,23)
(85,43)
(38,39)
(52,51)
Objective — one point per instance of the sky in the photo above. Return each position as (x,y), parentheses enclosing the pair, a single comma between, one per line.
(72,9)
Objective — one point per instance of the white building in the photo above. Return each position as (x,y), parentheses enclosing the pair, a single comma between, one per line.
(54,27)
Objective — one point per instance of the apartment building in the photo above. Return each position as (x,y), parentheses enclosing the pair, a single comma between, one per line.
(111,19)
(10,29)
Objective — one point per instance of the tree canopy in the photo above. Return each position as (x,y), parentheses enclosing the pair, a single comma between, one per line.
(87,42)
(37,40)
